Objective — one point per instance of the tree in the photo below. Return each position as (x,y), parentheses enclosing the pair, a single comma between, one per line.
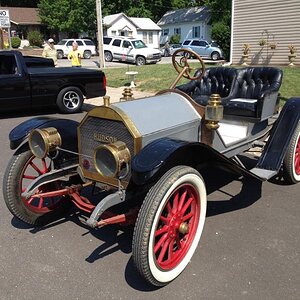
(19,3)
(72,17)
(221,23)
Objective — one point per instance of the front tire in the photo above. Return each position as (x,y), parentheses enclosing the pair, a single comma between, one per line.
(22,169)
(169,225)
(140,61)
(87,54)
(70,100)
(291,162)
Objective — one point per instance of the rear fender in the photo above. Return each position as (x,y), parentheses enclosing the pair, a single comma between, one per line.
(159,156)
(66,128)
(280,136)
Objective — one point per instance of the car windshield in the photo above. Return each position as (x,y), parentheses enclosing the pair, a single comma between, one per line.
(138,44)
(62,42)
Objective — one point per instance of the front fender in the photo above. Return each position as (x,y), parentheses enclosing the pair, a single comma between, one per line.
(159,156)
(67,129)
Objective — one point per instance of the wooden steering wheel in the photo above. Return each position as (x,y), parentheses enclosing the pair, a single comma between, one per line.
(182,67)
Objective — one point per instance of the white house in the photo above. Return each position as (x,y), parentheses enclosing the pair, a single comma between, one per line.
(188,23)
(141,28)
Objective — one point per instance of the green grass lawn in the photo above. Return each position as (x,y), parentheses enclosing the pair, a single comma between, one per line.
(160,76)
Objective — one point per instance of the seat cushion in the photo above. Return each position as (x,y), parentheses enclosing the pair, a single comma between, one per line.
(241,107)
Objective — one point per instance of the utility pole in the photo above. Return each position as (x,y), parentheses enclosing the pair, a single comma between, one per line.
(100,34)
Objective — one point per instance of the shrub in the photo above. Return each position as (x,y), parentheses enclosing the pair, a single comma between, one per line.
(175,39)
(221,34)
(15,42)
(35,38)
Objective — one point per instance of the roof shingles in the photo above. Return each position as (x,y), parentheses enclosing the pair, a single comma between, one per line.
(23,15)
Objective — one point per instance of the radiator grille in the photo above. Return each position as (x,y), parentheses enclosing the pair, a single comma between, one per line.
(105,128)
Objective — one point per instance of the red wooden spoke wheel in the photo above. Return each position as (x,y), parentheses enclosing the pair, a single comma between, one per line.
(169,225)
(291,163)
(297,158)
(32,170)
(177,227)
(23,169)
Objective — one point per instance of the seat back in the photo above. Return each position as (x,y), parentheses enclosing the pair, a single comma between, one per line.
(217,80)
(253,82)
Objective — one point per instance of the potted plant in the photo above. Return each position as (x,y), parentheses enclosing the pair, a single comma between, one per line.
(262,42)
(292,55)
(273,45)
(246,50)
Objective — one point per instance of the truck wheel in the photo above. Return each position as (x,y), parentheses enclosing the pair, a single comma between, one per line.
(291,162)
(215,56)
(169,225)
(87,54)
(140,61)
(22,169)
(60,54)
(108,56)
(70,100)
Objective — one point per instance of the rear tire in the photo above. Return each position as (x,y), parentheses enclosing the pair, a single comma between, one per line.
(60,54)
(108,56)
(21,169)
(169,225)
(70,100)
(215,56)
(87,54)
(291,163)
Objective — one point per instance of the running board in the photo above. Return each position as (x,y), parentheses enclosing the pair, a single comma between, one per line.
(281,134)
(263,174)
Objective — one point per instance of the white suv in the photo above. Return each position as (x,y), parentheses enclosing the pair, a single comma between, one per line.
(129,49)
(87,47)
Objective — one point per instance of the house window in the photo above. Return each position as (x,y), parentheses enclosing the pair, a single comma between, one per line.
(196,32)
(114,32)
(150,37)
(165,32)
(145,37)
(177,31)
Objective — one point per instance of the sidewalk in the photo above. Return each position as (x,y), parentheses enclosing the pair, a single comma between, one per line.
(115,95)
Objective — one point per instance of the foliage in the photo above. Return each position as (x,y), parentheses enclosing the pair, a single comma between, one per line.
(246,49)
(72,17)
(19,3)
(220,33)
(262,42)
(292,49)
(175,39)
(15,42)
(35,38)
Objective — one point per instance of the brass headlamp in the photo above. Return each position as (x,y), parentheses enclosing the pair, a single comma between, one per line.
(45,140)
(111,159)
(213,112)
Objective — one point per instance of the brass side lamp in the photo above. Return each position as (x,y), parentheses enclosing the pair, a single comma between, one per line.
(213,112)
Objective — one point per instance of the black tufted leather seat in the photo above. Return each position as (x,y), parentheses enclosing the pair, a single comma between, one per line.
(250,92)
(255,89)
(215,81)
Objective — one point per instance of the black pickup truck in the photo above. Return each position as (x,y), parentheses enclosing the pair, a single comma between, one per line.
(31,82)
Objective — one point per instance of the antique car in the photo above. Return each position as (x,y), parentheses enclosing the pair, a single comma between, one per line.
(145,159)
(28,82)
